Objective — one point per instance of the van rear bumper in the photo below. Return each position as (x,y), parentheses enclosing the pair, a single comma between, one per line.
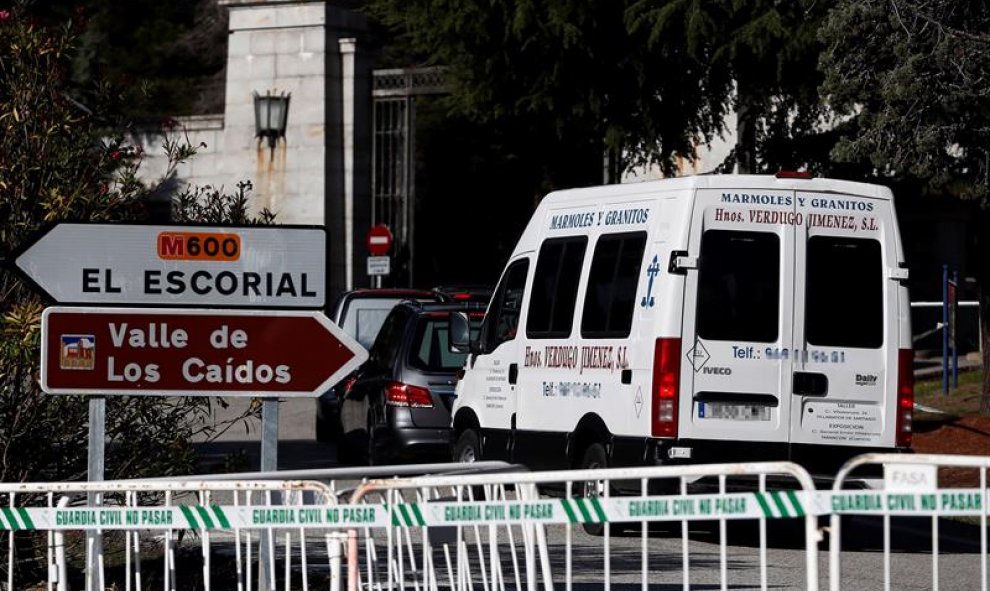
(818,460)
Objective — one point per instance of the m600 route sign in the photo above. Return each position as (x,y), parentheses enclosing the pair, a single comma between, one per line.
(193,352)
(190,266)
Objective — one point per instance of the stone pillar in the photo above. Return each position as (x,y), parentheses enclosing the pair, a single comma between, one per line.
(278,46)
(356,106)
(348,47)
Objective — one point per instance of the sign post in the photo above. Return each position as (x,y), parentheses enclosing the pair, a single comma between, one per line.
(95,473)
(950,353)
(379,243)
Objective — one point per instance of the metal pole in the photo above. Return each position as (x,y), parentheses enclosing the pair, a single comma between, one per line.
(411,183)
(269,463)
(945,330)
(61,566)
(955,331)
(95,465)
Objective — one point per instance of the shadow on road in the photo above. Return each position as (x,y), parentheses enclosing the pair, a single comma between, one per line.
(859,534)
(245,456)
(910,535)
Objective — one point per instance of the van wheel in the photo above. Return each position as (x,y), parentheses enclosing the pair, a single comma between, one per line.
(594,458)
(468,447)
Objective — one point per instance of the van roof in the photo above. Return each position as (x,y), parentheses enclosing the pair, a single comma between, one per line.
(723,181)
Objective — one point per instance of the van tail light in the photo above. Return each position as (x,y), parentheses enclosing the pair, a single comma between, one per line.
(399,394)
(666,386)
(905,396)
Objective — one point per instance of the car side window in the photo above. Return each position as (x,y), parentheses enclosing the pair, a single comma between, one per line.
(386,348)
(555,285)
(610,299)
(503,319)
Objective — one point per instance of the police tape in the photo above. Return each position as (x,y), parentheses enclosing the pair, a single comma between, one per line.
(785,504)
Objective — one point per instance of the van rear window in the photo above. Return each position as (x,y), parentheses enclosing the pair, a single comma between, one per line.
(611,296)
(844,302)
(555,284)
(739,286)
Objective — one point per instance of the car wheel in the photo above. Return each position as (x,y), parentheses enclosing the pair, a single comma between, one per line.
(352,448)
(468,447)
(324,433)
(594,458)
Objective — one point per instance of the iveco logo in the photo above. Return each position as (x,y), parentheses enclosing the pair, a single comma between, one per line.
(866,380)
(722,371)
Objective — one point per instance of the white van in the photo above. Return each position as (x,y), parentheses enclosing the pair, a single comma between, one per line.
(697,319)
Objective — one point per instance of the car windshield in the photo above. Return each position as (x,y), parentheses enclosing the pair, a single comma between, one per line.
(430,349)
(364,317)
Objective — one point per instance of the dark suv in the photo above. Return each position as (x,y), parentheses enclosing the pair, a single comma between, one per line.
(397,405)
(361,313)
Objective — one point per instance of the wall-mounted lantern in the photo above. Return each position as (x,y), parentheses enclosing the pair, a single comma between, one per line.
(271,113)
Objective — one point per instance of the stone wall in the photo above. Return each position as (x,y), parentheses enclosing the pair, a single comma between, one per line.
(319,173)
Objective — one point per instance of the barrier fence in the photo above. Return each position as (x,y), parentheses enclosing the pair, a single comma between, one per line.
(438,521)
(922,473)
(154,518)
(493,532)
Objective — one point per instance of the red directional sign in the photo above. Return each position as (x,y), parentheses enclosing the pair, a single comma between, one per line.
(379,240)
(193,352)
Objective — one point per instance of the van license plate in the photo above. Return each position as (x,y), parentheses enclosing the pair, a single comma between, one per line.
(734,412)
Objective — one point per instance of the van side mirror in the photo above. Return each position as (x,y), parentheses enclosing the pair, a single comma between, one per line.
(459,329)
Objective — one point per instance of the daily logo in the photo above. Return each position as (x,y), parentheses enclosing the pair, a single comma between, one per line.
(866,380)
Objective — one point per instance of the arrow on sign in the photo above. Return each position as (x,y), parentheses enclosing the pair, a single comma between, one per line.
(191,266)
(193,352)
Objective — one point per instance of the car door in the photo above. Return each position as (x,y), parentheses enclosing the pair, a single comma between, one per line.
(491,383)
(846,306)
(738,332)
(363,403)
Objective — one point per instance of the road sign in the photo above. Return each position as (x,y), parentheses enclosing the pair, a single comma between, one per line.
(379,265)
(379,240)
(193,352)
(191,266)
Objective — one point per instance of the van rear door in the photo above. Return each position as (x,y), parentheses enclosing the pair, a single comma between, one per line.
(737,326)
(845,321)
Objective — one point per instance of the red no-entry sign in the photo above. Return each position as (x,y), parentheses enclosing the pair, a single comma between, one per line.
(193,352)
(379,240)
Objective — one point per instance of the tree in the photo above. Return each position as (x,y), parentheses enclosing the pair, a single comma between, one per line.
(561,72)
(912,76)
(172,53)
(651,78)
(758,58)
(63,158)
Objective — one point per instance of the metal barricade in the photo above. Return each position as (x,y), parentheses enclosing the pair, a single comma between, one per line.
(246,521)
(494,532)
(912,496)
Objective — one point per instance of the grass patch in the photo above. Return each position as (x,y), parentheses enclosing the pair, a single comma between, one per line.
(962,401)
